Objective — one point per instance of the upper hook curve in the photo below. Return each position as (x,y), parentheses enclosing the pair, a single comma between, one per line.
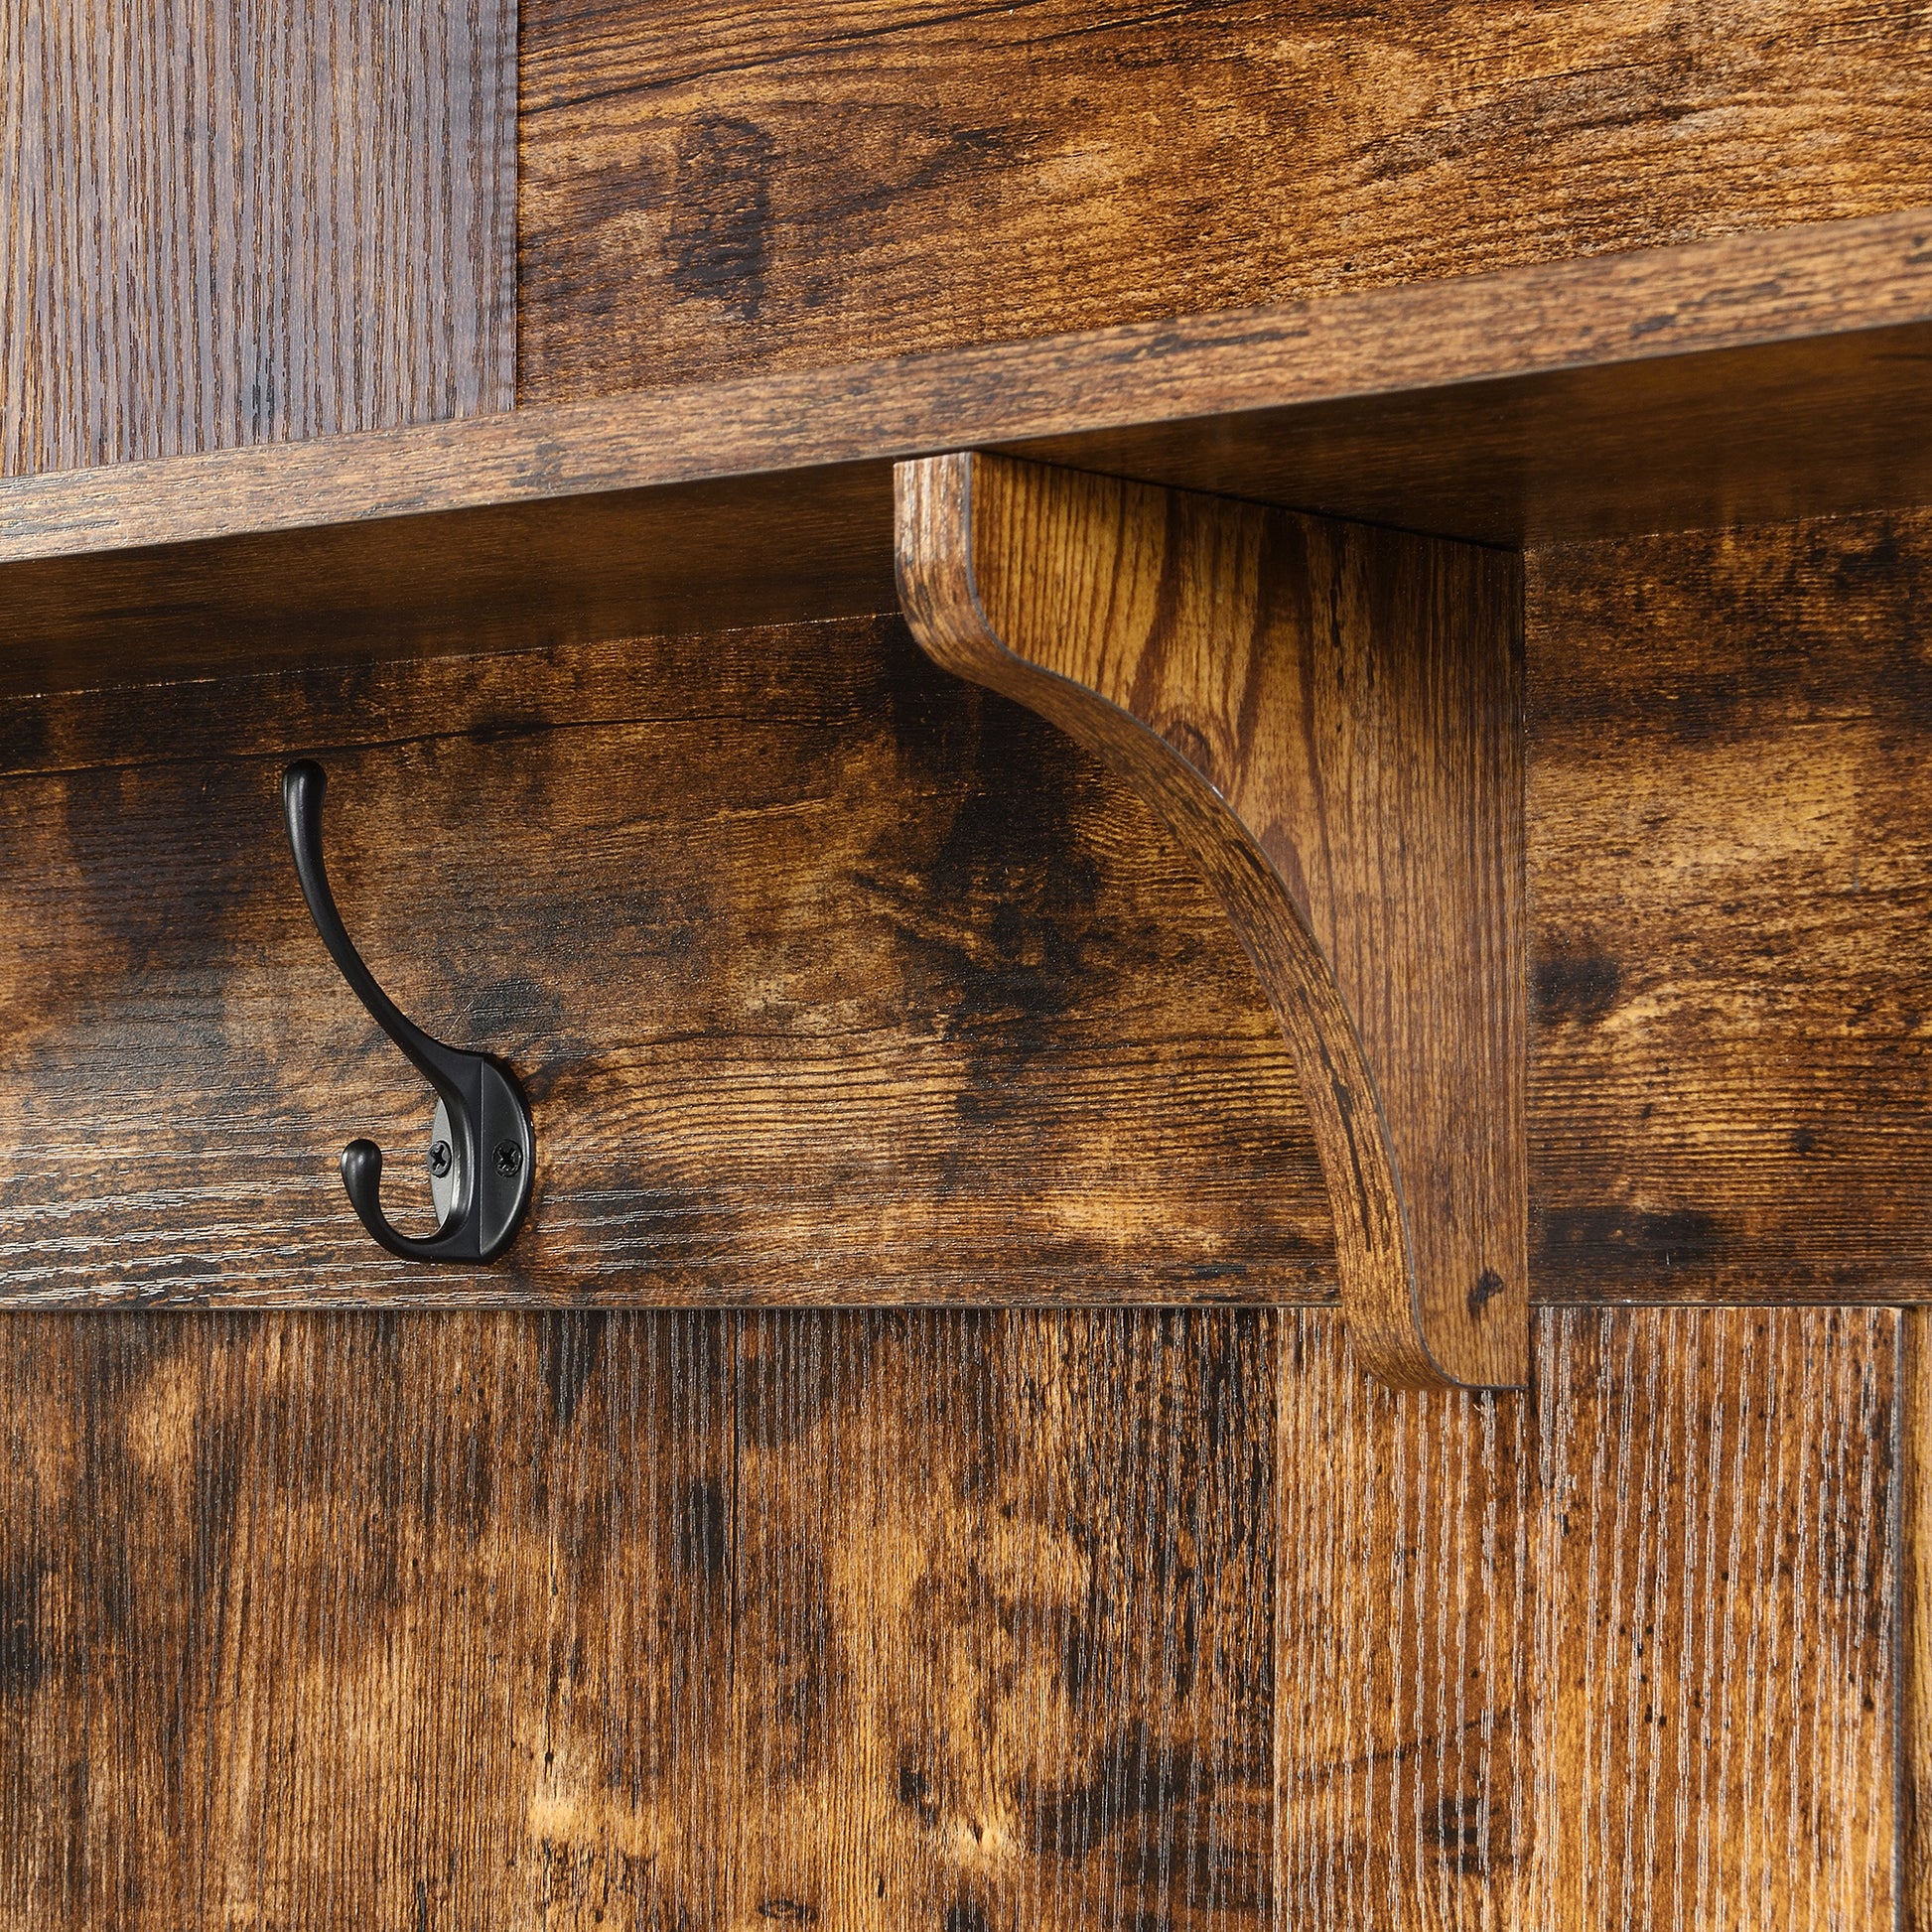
(491,1141)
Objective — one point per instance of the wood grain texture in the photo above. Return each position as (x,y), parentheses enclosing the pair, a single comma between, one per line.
(1329,718)
(1619,1654)
(1914,1669)
(362,1621)
(1731,867)
(234,224)
(1716,1640)
(698,557)
(1753,378)
(1064,1620)
(1725,1094)
(1406,1602)
(1004,1650)
(637,1621)
(915,989)
(828,980)
(712,189)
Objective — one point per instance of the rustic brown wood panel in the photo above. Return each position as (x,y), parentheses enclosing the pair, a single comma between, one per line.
(1083,1619)
(1619,1655)
(1729,865)
(533,1621)
(364,1621)
(833,972)
(1406,1603)
(829,979)
(232,224)
(1006,1628)
(1715,1652)
(1329,718)
(1914,1668)
(712,189)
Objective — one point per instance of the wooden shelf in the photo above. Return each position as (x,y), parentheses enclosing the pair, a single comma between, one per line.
(1415,433)
(1753,378)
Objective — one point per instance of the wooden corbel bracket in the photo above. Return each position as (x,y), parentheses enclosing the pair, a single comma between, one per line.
(1328,716)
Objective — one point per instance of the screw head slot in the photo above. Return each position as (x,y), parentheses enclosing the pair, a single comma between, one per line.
(509,1159)
(442,1157)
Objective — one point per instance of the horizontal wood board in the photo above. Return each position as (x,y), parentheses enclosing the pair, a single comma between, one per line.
(1729,874)
(713,189)
(234,224)
(1732,381)
(1093,1619)
(828,980)
(835,980)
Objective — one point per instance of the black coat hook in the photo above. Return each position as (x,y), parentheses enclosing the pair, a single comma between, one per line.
(482,1149)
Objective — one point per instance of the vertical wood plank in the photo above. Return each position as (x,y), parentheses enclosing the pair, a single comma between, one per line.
(251,221)
(1626,1660)
(1915,1621)
(1003,1651)
(362,1621)
(968,1620)
(1715,1739)
(1404,1596)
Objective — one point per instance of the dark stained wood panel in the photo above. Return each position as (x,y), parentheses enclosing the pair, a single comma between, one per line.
(841,979)
(1104,1618)
(1914,1668)
(713,189)
(699,557)
(1005,1648)
(1730,864)
(830,980)
(363,1621)
(611,1620)
(232,224)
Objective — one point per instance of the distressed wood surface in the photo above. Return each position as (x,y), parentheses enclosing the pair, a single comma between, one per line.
(1914,1668)
(699,1621)
(1005,1637)
(712,188)
(234,224)
(1729,865)
(1328,717)
(1761,376)
(828,980)
(1072,1619)
(364,1621)
(1621,1655)
(1406,1594)
(836,973)
(1716,1645)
